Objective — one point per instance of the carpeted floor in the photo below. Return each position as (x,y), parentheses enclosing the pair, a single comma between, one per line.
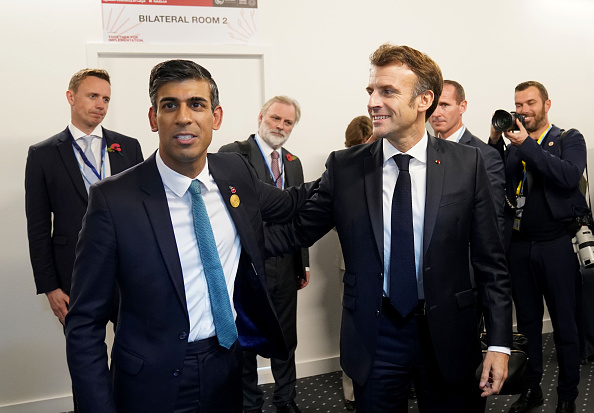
(323,393)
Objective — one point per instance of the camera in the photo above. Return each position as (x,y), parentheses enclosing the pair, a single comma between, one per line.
(584,242)
(506,121)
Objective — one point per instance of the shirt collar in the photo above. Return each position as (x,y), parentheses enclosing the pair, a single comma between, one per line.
(179,183)
(77,133)
(267,149)
(418,152)
(455,137)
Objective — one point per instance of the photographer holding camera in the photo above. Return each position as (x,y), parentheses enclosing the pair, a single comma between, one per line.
(543,167)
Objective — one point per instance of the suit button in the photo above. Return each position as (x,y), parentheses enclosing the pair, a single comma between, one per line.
(183,335)
(175,373)
(377,313)
(381,275)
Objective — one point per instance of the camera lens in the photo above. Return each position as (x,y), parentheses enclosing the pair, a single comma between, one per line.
(502,120)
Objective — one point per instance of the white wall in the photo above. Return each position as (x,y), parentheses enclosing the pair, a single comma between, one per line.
(317,52)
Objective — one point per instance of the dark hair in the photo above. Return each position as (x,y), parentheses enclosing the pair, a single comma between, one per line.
(460,95)
(542,90)
(178,71)
(358,131)
(428,72)
(82,74)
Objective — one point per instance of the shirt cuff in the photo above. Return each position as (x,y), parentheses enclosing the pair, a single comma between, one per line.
(499,349)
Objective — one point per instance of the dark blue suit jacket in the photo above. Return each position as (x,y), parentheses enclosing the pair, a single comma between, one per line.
(561,164)
(459,212)
(127,239)
(494,167)
(56,201)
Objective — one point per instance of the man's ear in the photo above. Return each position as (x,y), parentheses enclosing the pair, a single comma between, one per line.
(152,115)
(426,100)
(463,106)
(218,118)
(70,97)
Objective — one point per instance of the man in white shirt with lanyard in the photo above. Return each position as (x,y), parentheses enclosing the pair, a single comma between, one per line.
(58,174)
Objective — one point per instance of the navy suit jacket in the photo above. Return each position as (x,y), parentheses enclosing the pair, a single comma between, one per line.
(495,171)
(561,162)
(127,239)
(459,212)
(56,201)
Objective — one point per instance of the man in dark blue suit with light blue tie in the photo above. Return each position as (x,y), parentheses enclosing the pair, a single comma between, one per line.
(181,236)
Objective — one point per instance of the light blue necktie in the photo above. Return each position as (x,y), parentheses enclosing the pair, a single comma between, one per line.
(213,270)
(89,173)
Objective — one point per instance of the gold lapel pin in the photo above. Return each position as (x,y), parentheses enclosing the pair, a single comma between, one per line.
(234,200)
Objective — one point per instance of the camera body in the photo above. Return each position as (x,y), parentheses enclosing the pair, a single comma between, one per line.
(506,121)
(583,243)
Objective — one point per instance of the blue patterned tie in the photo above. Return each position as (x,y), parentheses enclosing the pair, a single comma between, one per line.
(403,279)
(91,177)
(213,270)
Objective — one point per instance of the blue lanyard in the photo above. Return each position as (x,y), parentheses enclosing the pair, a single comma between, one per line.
(282,165)
(460,134)
(86,160)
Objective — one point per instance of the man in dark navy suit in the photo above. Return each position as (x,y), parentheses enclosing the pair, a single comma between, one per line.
(447,124)
(406,208)
(57,180)
(287,273)
(543,167)
(181,235)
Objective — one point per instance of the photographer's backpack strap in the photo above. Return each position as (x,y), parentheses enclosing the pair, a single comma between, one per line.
(583,185)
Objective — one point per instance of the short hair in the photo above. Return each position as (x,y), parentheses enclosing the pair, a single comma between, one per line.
(428,73)
(541,89)
(358,131)
(82,74)
(287,101)
(460,95)
(177,71)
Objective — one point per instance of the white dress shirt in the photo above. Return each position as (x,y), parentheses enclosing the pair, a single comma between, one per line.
(179,201)
(96,146)
(267,152)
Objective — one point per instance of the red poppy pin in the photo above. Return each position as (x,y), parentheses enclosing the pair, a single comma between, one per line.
(290,157)
(115,147)
(437,161)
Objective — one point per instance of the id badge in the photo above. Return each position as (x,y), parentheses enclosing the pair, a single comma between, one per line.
(520,202)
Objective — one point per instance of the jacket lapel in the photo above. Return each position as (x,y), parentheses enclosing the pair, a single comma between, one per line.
(158,213)
(238,214)
(435,175)
(257,160)
(66,152)
(373,169)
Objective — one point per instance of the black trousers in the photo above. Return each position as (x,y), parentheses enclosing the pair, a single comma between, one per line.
(281,282)
(404,356)
(550,270)
(211,379)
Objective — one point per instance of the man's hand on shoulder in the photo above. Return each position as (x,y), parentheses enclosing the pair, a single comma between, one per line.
(58,301)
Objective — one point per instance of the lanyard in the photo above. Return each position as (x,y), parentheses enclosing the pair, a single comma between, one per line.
(86,160)
(282,165)
(520,189)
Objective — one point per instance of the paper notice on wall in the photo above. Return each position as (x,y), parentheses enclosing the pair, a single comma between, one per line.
(181,21)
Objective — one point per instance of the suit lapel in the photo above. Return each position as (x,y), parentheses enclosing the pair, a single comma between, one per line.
(158,212)
(257,160)
(66,152)
(238,214)
(373,169)
(466,137)
(290,169)
(116,159)
(435,175)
